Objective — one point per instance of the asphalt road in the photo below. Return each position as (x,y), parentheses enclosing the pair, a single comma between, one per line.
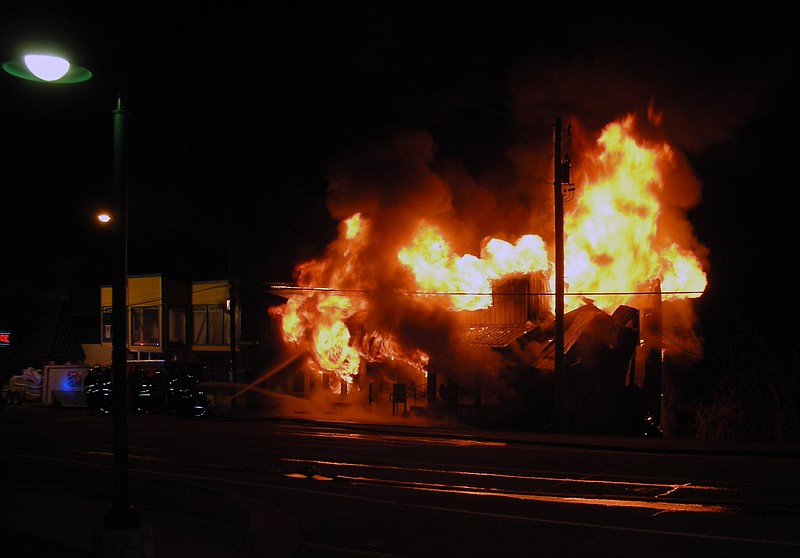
(327,488)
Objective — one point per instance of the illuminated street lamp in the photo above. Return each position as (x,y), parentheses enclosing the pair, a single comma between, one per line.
(47,68)
(55,69)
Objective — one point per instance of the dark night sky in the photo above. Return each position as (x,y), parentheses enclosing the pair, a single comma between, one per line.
(238,108)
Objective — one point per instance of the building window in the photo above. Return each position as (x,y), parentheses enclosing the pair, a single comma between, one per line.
(106,321)
(144,326)
(210,324)
(176,325)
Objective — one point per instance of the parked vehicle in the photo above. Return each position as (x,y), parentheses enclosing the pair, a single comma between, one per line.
(23,388)
(56,385)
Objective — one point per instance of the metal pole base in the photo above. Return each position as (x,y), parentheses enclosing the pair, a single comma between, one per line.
(124,543)
(122,518)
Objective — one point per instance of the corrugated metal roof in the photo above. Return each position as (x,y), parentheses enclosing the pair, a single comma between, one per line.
(492,335)
(575,324)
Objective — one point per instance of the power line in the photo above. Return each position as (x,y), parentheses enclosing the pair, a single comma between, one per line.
(294,288)
(468,104)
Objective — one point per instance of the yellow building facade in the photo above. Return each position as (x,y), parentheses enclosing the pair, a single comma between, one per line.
(171,320)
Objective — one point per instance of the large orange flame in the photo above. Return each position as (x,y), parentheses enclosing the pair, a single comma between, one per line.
(614,244)
(467,279)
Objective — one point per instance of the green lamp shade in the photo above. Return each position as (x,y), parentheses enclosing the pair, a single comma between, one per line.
(69,73)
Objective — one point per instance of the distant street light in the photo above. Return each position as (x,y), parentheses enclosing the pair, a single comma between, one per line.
(54,69)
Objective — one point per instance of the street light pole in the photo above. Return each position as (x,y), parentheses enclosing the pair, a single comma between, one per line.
(124,534)
(121,515)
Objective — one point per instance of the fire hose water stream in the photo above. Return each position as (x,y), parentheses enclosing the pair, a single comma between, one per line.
(251,386)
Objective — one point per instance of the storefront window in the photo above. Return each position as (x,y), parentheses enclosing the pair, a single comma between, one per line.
(176,325)
(144,326)
(210,325)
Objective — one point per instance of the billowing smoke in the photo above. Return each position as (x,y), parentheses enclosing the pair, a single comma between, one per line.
(396,185)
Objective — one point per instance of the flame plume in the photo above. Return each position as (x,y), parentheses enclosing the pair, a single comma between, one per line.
(614,238)
(379,292)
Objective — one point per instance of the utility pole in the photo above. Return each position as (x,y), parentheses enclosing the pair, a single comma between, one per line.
(560,176)
(232,298)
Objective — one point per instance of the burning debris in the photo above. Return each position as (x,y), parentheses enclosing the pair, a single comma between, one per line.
(401,290)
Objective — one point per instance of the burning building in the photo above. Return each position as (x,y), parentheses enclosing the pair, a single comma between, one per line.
(399,298)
